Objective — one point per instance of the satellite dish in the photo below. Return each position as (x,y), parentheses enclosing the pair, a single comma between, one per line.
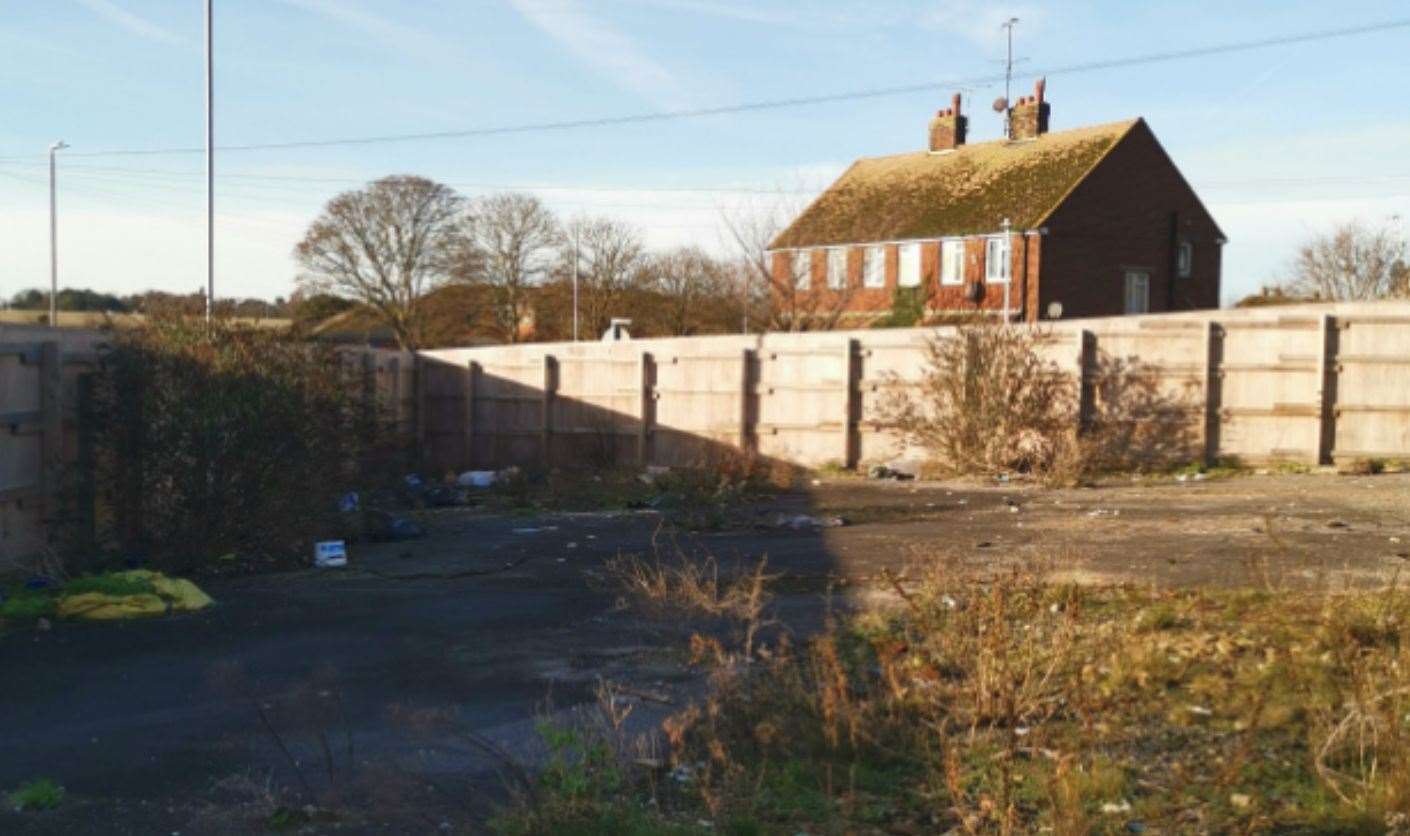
(1001,104)
(1054,310)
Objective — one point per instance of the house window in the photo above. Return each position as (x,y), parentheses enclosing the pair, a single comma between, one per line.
(803,269)
(952,262)
(909,268)
(837,268)
(874,267)
(1185,259)
(996,260)
(1138,292)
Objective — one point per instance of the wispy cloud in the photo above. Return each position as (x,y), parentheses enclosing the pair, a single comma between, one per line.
(979,21)
(395,36)
(599,45)
(140,26)
(743,12)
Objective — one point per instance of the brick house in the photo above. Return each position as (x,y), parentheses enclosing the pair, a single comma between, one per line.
(1094,221)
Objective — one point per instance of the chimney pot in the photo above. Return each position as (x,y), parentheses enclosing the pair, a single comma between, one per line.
(948,128)
(1028,118)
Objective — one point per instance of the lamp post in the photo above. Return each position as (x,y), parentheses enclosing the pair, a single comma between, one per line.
(210,161)
(54,240)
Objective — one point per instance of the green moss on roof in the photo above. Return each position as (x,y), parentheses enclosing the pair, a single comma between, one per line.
(968,191)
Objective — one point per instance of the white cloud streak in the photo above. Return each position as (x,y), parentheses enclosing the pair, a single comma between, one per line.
(118,16)
(980,22)
(602,47)
(397,37)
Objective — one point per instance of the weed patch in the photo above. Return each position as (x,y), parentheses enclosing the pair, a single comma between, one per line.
(1003,703)
(39,794)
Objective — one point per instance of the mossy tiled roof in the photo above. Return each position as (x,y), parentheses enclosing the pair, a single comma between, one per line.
(967,191)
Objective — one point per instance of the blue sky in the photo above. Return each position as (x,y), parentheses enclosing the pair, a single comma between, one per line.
(1281,142)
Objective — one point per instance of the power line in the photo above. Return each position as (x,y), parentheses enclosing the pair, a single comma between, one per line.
(775,104)
(269,181)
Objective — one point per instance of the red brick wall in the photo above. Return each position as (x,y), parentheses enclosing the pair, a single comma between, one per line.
(1120,218)
(864,300)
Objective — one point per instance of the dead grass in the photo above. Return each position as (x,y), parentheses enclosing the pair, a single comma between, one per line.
(681,587)
(1008,703)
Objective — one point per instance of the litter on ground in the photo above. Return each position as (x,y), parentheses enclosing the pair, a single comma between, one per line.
(167,595)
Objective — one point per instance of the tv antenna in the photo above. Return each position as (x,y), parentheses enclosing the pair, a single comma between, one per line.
(1008,77)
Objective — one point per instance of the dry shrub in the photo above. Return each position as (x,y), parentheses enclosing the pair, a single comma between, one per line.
(693,587)
(990,402)
(213,439)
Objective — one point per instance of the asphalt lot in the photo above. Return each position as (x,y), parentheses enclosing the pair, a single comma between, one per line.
(493,621)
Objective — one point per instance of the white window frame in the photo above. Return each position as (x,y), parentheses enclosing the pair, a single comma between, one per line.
(998,259)
(1185,259)
(874,267)
(803,279)
(1138,292)
(837,268)
(908,264)
(952,261)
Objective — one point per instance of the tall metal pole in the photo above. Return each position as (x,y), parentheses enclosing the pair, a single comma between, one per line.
(53,240)
(1008,78)
(210,164)
(576,227)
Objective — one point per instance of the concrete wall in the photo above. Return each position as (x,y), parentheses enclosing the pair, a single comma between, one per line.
(1312,383)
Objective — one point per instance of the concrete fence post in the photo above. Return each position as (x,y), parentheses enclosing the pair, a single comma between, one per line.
(550,386)
(746,397)
(1329,342)
(644,408)
(394,393)
(472,374)
(1086,380)
(1213,390)
(51,427)
(851,402)
(418,403)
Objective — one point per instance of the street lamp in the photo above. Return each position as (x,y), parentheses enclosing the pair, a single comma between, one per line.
(53,240)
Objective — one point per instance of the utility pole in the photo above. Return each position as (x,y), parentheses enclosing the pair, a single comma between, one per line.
(1008,77)
(210,164)
(577,225)
(54,240)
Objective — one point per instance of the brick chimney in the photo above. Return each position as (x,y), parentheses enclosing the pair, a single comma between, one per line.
(948,128)
(1028,117)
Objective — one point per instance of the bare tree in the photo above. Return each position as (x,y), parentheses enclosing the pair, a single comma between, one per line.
(385,246)
(1353,262)
(694,287)
(509,245)
(780,284)
(610,255)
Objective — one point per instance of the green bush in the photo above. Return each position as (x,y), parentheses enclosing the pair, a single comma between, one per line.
(24,606)
(213,439)
(42,794)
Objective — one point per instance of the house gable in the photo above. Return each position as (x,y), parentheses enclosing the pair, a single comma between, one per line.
(1129,214)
